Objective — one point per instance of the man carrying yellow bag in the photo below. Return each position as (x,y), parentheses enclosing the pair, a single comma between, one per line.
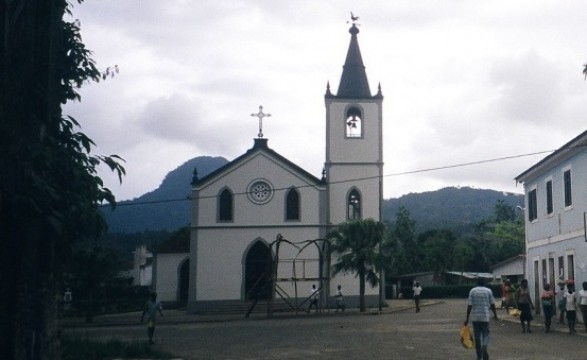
(479,303)
(466,337)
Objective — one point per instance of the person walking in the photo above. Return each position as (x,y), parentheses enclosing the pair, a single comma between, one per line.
(504,294)
(313,298)
(583,303)
(339,299)
(152,306)
(479,302)
(510,294)
(547,299)
(571,306)
(417,294)
(525,305)
(561,302)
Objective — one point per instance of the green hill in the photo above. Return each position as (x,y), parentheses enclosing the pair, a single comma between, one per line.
(453,208)
(168,208)
(165,208)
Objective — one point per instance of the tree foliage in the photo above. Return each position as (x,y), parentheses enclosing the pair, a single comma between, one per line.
(438,249)
(93,273)
(495,239)
(50,191)
(355,245)
(404,237)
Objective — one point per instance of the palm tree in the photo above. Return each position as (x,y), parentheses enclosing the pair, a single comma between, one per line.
(356,245)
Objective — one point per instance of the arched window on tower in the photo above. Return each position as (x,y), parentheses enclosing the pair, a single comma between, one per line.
(225,206)
(292,205)
(354,205)
(354,123)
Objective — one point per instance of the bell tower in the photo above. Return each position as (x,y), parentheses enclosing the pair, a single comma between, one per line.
(354,143)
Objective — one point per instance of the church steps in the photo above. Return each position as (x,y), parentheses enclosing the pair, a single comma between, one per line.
(243,308)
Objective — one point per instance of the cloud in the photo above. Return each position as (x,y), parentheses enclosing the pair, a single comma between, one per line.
(462,80)
(530,89)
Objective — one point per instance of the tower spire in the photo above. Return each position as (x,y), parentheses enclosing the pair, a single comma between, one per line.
(353,82)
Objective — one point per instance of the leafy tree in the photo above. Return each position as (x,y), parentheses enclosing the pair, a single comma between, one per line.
(404,232)
(499,238)
(508,240)
(93,273)
(438,248)
(49,188)
(463,254)
(391,254)
(356,246)
(504,212)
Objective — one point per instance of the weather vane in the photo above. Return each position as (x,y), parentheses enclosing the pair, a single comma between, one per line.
(354,19)
(260,115)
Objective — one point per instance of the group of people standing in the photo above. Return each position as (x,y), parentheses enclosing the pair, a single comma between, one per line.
(566,300)
(315,294)
(481,303)
(567,303)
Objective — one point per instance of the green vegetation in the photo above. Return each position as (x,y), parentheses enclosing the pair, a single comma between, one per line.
(356,245)
(50,191)
(489,242)
(92,274)
(82,348)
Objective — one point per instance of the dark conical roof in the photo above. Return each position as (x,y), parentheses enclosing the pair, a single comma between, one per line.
(353,82)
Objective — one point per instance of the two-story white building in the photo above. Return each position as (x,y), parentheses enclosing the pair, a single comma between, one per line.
(556,206)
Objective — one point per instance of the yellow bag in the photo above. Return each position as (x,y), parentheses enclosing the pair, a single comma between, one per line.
(515,312)
(466,337)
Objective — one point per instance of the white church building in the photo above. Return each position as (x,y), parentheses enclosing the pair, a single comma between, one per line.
(242,208)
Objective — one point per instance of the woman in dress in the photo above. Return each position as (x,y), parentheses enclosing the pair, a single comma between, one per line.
(525,305)
(547,299)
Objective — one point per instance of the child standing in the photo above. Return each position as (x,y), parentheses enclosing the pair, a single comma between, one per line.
(571,303)
(152,306)
(339,299)
(417,293)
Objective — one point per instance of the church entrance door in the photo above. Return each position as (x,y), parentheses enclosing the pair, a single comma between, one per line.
(184,282)
(257,273)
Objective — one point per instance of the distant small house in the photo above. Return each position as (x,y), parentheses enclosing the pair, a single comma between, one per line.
(512,268)
(430,278)
(142,273)
(467,277)
(171,269)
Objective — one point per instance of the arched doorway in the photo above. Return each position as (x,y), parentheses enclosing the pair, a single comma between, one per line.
(257,272)
(184,281)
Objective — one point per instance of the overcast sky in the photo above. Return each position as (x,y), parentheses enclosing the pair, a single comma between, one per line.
(463,81)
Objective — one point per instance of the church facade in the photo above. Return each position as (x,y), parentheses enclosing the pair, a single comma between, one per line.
(261,207)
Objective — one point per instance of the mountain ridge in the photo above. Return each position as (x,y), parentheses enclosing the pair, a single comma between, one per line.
(168,208)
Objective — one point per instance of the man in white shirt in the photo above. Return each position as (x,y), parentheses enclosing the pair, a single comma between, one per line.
(417,293)
(479,303)
(313,298)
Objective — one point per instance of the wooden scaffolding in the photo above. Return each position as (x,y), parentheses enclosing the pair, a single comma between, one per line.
(299,273)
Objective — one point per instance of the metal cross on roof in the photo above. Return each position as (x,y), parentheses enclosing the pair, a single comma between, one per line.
(260,115)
